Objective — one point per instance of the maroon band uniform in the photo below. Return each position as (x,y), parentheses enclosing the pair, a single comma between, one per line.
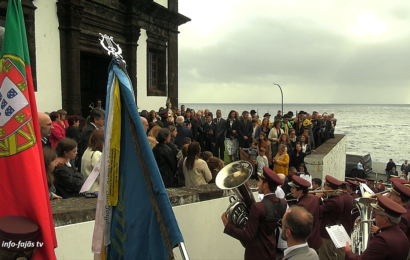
(390,242)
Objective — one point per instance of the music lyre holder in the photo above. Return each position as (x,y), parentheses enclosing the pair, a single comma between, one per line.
(114,50)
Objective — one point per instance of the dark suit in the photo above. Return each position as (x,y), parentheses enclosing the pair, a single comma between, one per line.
(245,129)
(209,136)
(45,141)
(312,204)
(85,137)
(194,127)
(390,244)
(182,132)
(73,133)
(166,123)
(220,138)
(258,236)
(325,131)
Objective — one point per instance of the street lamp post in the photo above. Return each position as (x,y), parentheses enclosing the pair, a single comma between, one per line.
(282,96)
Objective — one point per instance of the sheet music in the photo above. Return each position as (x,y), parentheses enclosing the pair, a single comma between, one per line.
(338,235)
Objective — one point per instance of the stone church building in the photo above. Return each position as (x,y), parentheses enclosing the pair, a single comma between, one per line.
(70,68)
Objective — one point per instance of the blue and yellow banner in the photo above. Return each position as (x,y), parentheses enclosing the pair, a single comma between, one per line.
(142,225)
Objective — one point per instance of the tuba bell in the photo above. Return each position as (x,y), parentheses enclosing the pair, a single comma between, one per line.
(361,232)
(235,176)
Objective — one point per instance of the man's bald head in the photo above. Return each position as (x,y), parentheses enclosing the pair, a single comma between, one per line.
(300,223)
(144,123)
(45,125)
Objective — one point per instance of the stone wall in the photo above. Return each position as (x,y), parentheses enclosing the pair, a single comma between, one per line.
(329,159)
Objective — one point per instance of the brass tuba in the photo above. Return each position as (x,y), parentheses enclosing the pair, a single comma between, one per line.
(235,176)
(363,224)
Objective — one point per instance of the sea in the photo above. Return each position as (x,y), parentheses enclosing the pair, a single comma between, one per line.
(380,130)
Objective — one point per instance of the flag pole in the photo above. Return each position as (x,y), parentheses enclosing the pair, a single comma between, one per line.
(183,251)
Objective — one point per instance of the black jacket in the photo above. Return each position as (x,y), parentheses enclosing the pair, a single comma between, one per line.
(194,127)
(229,129)
(73,133)
(68,181)
(295,161)
(85,137)
(167,164)
(210,134)
(182,132)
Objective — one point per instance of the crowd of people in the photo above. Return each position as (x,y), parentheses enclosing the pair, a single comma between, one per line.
(278,144)
(189,149)
(70,154)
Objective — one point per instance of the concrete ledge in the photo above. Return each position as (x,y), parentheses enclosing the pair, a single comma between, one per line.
(329,159)
(77,210)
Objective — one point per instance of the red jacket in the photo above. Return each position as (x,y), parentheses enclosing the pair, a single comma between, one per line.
(57,134)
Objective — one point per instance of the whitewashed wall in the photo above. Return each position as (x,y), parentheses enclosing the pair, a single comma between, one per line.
(333,163)
(48,95)
(164,3)
(200,224)
(143,101)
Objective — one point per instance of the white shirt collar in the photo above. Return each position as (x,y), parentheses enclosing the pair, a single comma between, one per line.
(289,249)
(68,164)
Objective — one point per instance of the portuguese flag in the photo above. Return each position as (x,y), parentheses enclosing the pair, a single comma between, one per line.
(23,184)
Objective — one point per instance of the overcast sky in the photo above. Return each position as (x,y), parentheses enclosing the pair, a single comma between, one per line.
(318,51)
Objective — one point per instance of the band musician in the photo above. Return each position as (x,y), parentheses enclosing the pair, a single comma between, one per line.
(331,209)
(300,189)
(401,195)
(259,233)
(389,242)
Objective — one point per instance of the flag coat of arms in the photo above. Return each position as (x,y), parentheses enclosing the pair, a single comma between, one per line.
(24,190)
(134,220)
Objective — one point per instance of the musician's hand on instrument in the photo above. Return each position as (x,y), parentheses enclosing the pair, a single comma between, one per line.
(234,131)
(319,195)
(347,248)
(374,229)
(224,219)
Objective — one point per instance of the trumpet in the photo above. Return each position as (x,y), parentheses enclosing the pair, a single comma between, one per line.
(375,195)
(336,192)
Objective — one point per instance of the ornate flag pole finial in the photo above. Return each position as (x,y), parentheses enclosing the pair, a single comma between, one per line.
(113,49)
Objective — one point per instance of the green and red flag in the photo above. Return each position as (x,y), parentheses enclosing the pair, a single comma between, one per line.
(23,183)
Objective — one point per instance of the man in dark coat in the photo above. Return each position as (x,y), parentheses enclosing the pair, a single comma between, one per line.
(182,131)
(220,135)
(389,167)
(331,210)
(259,233)
(390,242)
(164,118)
(45,129)
(209,129)
(165,158)
(245,130)
(300,190)
(97,120)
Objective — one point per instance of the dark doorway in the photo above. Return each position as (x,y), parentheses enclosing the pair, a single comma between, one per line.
(94,77)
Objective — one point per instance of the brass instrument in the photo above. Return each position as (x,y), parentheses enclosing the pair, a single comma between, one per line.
(235,176)
(375,195)
(363,224)
(338,192)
